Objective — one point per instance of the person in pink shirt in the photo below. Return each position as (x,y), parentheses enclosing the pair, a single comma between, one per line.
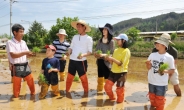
(18,51)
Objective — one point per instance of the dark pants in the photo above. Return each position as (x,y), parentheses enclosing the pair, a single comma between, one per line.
(79,66)
(120,78)
(103,70)
(62,65)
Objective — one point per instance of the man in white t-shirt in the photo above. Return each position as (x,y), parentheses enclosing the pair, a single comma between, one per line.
(157,78)
(81,47)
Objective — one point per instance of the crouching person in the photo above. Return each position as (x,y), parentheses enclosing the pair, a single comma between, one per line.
(18,51)
(50,68)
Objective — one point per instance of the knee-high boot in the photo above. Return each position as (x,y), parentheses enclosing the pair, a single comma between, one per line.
(62,76)
(120,94)
(55,90)
(30,83)
(100,83)
(84,81)
(152,99)
(108,89)
(160,102)
(69,81)
(16,86)
(44,89)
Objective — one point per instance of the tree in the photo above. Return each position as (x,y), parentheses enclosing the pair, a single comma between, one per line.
(133,33)
(5,36)
(36,34)
(64,23)
(173,36)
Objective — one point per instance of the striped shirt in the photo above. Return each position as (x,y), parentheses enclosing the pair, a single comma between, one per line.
(61,48)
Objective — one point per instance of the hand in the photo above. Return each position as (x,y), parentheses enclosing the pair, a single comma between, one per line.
(64,57)
(29,53)
(50,70)
(80,56)
(96,55)
(148,64)
(108,58)
(10,68)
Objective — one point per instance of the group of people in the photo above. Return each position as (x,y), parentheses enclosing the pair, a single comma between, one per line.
(112,63)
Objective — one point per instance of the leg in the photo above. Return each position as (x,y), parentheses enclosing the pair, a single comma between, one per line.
(84,81)
(152,95)
(62,69)
(100,83)
(16,86)
(177,89)
(175,82)
(69,80)
(108,89)
(55,90)
(120,94)
(44,89)
(30,83)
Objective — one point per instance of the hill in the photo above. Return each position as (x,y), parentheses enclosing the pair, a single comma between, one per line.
(165,22)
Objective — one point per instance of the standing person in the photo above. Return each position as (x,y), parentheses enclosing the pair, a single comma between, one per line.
(18,51)
(120,61)
(50,68)
(157,78)
(106,43)
(172,51)
(81,47)
(61,48)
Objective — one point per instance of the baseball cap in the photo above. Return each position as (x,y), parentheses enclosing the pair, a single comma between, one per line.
(122,36)
(51,47)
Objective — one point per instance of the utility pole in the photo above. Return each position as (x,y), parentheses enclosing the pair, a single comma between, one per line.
(11,2)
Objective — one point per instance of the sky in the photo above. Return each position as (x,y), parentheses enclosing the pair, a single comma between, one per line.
(95,12)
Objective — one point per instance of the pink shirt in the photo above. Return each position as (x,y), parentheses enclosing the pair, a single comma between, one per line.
(15,46)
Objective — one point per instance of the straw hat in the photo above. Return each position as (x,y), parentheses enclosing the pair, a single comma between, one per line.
(62,31)
(74,25)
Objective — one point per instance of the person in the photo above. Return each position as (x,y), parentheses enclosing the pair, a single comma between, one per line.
(81,47)
(157,78)
(120,61)
(50,67)
(105,44)
(172,51)
(17,52)
(61,48)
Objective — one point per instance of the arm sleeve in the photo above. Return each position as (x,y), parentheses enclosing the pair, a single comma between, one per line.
(43,67)
(171,63)
(71,45)
(150,58)
(10,47)
(112,46)
(58,65)
(125,60)
(90,44)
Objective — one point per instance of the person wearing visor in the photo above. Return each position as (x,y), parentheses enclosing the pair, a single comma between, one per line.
(119,60)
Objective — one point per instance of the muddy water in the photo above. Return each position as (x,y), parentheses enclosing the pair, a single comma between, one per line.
(135,91)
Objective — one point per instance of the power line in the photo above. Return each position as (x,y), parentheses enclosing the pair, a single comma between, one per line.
(3,6)
(4,15)
(47,2)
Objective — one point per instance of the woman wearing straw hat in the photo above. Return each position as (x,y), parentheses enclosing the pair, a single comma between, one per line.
(61,48)
(81,47)
(174,77)
(105,44)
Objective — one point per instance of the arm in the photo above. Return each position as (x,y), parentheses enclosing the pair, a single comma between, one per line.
(53,70)
(17,55)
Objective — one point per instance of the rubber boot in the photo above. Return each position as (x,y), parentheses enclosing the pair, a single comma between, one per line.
(160,102)
(69,80)
(108,89)
(152,99)
(55,90)
(30,83)
(62,76)
(84,81)
(16,86)
(100,83)
(44,89)
(120,94)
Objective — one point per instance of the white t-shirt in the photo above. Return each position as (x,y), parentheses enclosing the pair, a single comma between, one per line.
(15,46)
(156,59)
(80,44)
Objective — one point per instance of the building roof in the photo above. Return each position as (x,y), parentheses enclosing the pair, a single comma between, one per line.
(161,32)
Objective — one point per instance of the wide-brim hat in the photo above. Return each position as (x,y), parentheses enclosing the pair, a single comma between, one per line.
(163,41)
(167,36)
(108,27)
(62,31)
(122,36)
(74,25)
